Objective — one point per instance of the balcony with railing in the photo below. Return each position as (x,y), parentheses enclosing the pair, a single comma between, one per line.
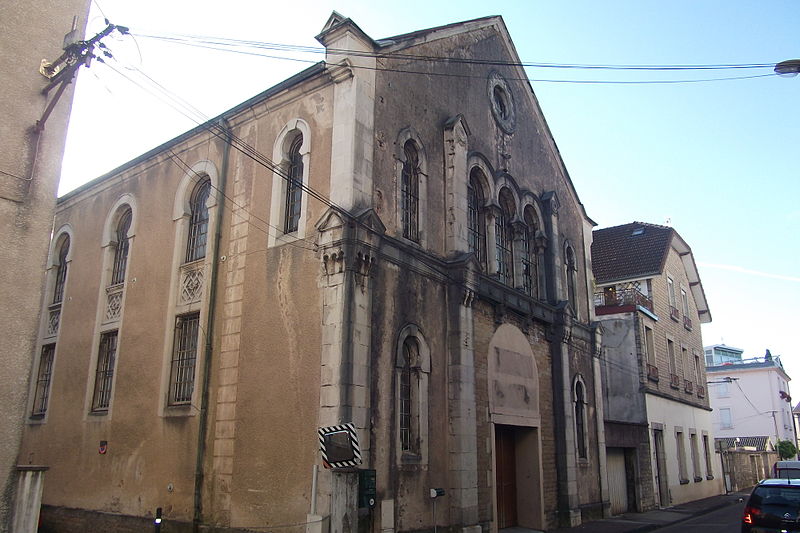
(675,381)
(652,372)
(620,299)
(688,386)
(674,314)
(701,391)
(687,323)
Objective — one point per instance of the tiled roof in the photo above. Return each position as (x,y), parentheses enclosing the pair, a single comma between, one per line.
(759,443)
(629,251)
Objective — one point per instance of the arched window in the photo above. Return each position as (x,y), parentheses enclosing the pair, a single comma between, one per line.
(476,217)
(409,378)
(122,247)
(410,192)
(580,418)
(294,187)
(570,270)
(412,367)
(530,256)
(198,224)
(61,271)
(504,238)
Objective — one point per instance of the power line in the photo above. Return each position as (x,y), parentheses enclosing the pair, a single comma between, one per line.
(229,45)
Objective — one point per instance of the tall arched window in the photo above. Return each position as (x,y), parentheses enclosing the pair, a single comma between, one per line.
(294,187)
(61,271)
(580,419)
(410,192)
(570,269)
(476,217)
(198,224)
(504,238)
(122,247)
(530,257)
(409,379)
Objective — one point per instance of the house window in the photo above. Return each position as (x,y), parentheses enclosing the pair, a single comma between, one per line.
(685,362)
(198,224)
(671,291)
(685,302)
(725,419)
(121,249)
(707,454)
(104,375)
(695,456)
(42,392)
(184,358)
(504,238)
(673,367)
(530,259)
(61,272)
(697,372)
(476,221)
(581,436)
(681,445)
(294,187)
(649,344)
(410,192)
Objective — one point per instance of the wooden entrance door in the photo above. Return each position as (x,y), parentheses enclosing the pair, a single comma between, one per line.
(506,476)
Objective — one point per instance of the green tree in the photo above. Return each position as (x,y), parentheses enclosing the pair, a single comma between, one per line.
(786,449)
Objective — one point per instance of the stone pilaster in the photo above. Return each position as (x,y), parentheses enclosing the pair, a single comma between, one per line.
(463,492)
(456,177)
(553,260)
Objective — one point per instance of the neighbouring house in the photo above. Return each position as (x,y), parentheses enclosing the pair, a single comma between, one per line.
(751,398)
(720,354)
(35,111)
(386,245)
(658,424)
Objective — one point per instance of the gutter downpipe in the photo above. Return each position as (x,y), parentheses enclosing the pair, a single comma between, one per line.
(199,473)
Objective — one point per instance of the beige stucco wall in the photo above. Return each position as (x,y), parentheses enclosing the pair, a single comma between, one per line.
(29,32)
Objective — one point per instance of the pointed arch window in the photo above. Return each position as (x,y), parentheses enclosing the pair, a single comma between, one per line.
(476,221)
(198,224)
(409,424)
(581,436)
(294,187)
(410,192)
(570,270)
(122,247)
(504,238)
(61,271)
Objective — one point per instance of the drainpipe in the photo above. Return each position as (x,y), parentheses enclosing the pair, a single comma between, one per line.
(199,473)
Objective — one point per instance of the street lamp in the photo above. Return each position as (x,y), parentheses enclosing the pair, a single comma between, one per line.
(788,68)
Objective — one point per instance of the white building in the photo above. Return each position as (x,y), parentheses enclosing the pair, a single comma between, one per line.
(751,398)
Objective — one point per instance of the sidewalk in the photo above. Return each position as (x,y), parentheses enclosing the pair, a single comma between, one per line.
(652,520)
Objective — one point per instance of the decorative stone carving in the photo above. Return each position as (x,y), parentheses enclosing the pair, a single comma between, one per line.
(113,303)
(53,321)
(192,284)
(333,263)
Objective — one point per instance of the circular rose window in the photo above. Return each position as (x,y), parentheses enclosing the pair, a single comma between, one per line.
(502,103)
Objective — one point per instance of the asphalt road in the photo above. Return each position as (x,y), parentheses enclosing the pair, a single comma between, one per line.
(725,520)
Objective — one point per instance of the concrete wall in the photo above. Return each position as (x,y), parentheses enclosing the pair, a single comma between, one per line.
(30,164)
(622,374)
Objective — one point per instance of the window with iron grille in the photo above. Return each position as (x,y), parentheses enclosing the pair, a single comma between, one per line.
(184,358)
(42,393)
(409,381)
(61,271)
(530,258)
(504,238)
(294,187)
(476,218)
(104,376)
(121,250)
(198,224)
(410,192)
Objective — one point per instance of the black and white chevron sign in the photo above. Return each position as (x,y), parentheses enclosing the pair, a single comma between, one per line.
(339,446)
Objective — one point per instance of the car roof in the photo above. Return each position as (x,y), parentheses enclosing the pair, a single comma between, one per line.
(794,482)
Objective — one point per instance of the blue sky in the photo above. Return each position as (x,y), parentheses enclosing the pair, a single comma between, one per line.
(717,159)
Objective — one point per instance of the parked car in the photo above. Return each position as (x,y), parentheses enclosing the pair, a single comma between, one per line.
(786,469)
(773,507)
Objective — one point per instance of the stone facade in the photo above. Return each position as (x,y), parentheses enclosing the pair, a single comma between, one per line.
(30,164)
(412,260)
